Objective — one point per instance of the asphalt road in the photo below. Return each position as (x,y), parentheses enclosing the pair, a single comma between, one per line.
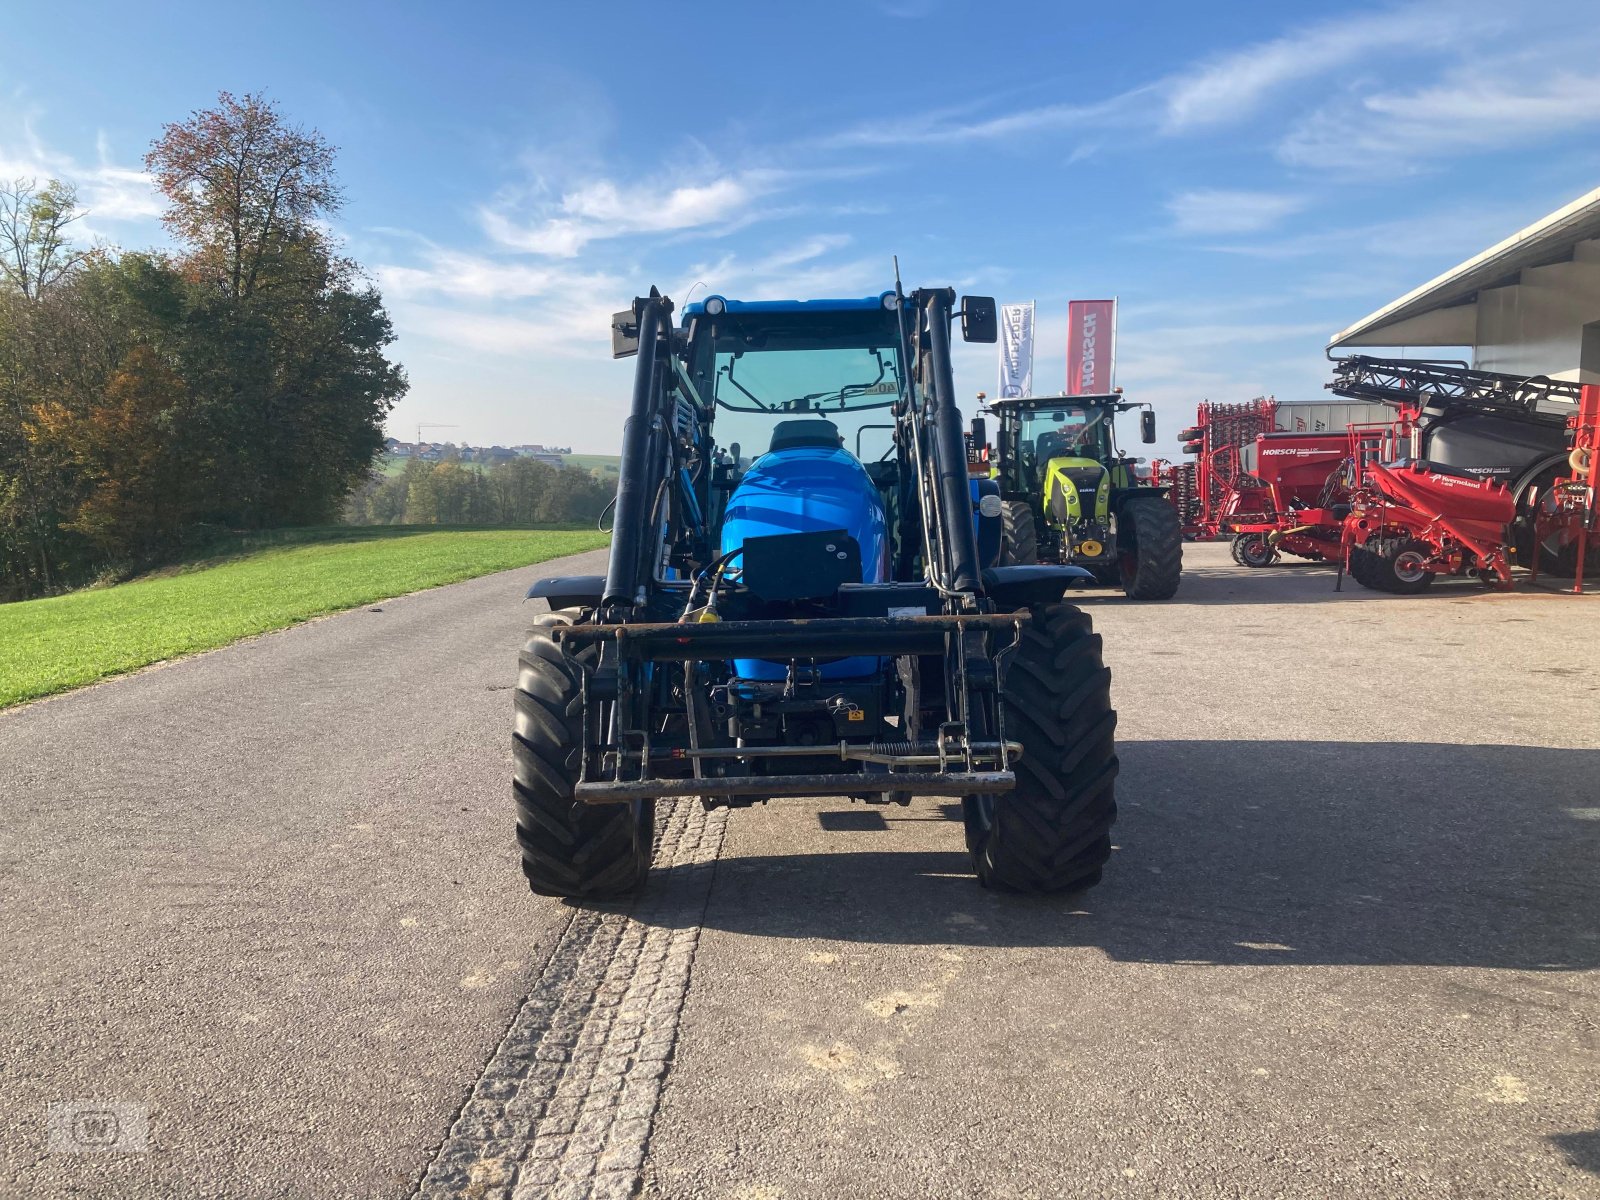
(1347,946)
(267,892)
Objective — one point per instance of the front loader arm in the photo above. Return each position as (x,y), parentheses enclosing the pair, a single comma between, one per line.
(638,482)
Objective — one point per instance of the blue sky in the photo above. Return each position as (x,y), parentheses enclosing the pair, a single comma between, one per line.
(1247,177)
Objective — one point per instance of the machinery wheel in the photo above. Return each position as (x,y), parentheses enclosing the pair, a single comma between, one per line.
(1234,549)
(1256,551)
(1393,565)
(1149,548)
(1361,564)
(1052,832)
(1019,540)
(568,848)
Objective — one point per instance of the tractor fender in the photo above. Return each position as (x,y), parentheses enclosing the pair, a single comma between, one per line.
(569,591)
(1021,586)
(1520,486)
(1120,496)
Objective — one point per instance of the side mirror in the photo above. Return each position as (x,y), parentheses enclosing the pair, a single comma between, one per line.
(980,432)
(1147,426)
(979,320)
(624,334)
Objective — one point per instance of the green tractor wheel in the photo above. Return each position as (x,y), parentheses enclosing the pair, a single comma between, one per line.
(1019,539)
(1149,548)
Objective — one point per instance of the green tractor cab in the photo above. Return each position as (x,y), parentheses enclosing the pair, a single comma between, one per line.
(1070,496)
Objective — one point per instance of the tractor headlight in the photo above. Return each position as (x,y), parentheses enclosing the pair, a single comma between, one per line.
(989,505)
(891,301)
(715,306)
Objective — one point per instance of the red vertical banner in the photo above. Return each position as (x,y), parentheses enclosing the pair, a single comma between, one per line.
(1091,343)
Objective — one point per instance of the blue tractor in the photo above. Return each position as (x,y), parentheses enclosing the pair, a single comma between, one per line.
(804,598)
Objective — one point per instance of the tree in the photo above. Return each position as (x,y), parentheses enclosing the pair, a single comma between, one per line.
(129,465)
(241,381)
(36,256)
(290,371)
(242,188)
(35,251)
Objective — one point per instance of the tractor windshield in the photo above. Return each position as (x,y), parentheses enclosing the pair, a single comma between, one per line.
(1068,432)
(847,371)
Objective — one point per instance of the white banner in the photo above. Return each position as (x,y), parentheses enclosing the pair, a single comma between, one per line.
(1016,350)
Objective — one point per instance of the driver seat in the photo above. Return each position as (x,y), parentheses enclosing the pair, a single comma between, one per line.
(1053,444)
(814,431)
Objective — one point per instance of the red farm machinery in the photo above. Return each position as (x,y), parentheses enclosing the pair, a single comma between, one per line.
(1474,471)
(1477,471)
(1203,488)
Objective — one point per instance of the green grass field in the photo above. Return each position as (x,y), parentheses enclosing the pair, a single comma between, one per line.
(276,580)
(602,464)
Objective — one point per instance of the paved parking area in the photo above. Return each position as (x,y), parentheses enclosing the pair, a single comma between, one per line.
(1347,945)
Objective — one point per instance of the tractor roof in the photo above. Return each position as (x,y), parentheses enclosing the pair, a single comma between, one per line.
(847,304)
(1106,400)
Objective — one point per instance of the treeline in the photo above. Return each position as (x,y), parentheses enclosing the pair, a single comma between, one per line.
(520,492)
(148,398)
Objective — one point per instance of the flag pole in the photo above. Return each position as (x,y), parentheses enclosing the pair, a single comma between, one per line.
(1116,315)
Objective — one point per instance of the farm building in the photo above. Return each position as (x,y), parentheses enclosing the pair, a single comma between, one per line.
(1529,305)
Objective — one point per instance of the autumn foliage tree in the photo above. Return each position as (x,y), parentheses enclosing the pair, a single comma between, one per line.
(123,449)
(239,382)
(243,190)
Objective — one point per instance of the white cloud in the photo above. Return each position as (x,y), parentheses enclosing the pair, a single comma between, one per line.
(1224,211)
(1469,110)
(951,128)
(1235,85)
(1444,236)
(578,328)
(603,208)
(109,194)
(466,276)
(808,268)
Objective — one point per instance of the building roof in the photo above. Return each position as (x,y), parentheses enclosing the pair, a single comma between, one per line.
(1440,312)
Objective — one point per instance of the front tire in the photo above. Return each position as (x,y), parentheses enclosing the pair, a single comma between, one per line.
(1052,832)
(1149,548)
(568,848)
(1019,538)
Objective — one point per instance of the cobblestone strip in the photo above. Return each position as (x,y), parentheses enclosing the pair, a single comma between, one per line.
(564,1107)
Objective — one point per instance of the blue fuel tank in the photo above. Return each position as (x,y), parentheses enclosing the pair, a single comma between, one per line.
(808,488)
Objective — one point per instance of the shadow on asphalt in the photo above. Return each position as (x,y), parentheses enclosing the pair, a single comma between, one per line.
(1292,583)
(1582,1150)
(1240,853)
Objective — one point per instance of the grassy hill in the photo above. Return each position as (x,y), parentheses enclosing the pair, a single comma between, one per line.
(271,581)
(604,464)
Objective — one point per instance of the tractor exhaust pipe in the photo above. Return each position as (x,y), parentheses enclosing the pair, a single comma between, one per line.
(949,450)
(635,491)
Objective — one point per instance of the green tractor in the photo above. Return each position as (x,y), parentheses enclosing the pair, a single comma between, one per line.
(1070,496)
